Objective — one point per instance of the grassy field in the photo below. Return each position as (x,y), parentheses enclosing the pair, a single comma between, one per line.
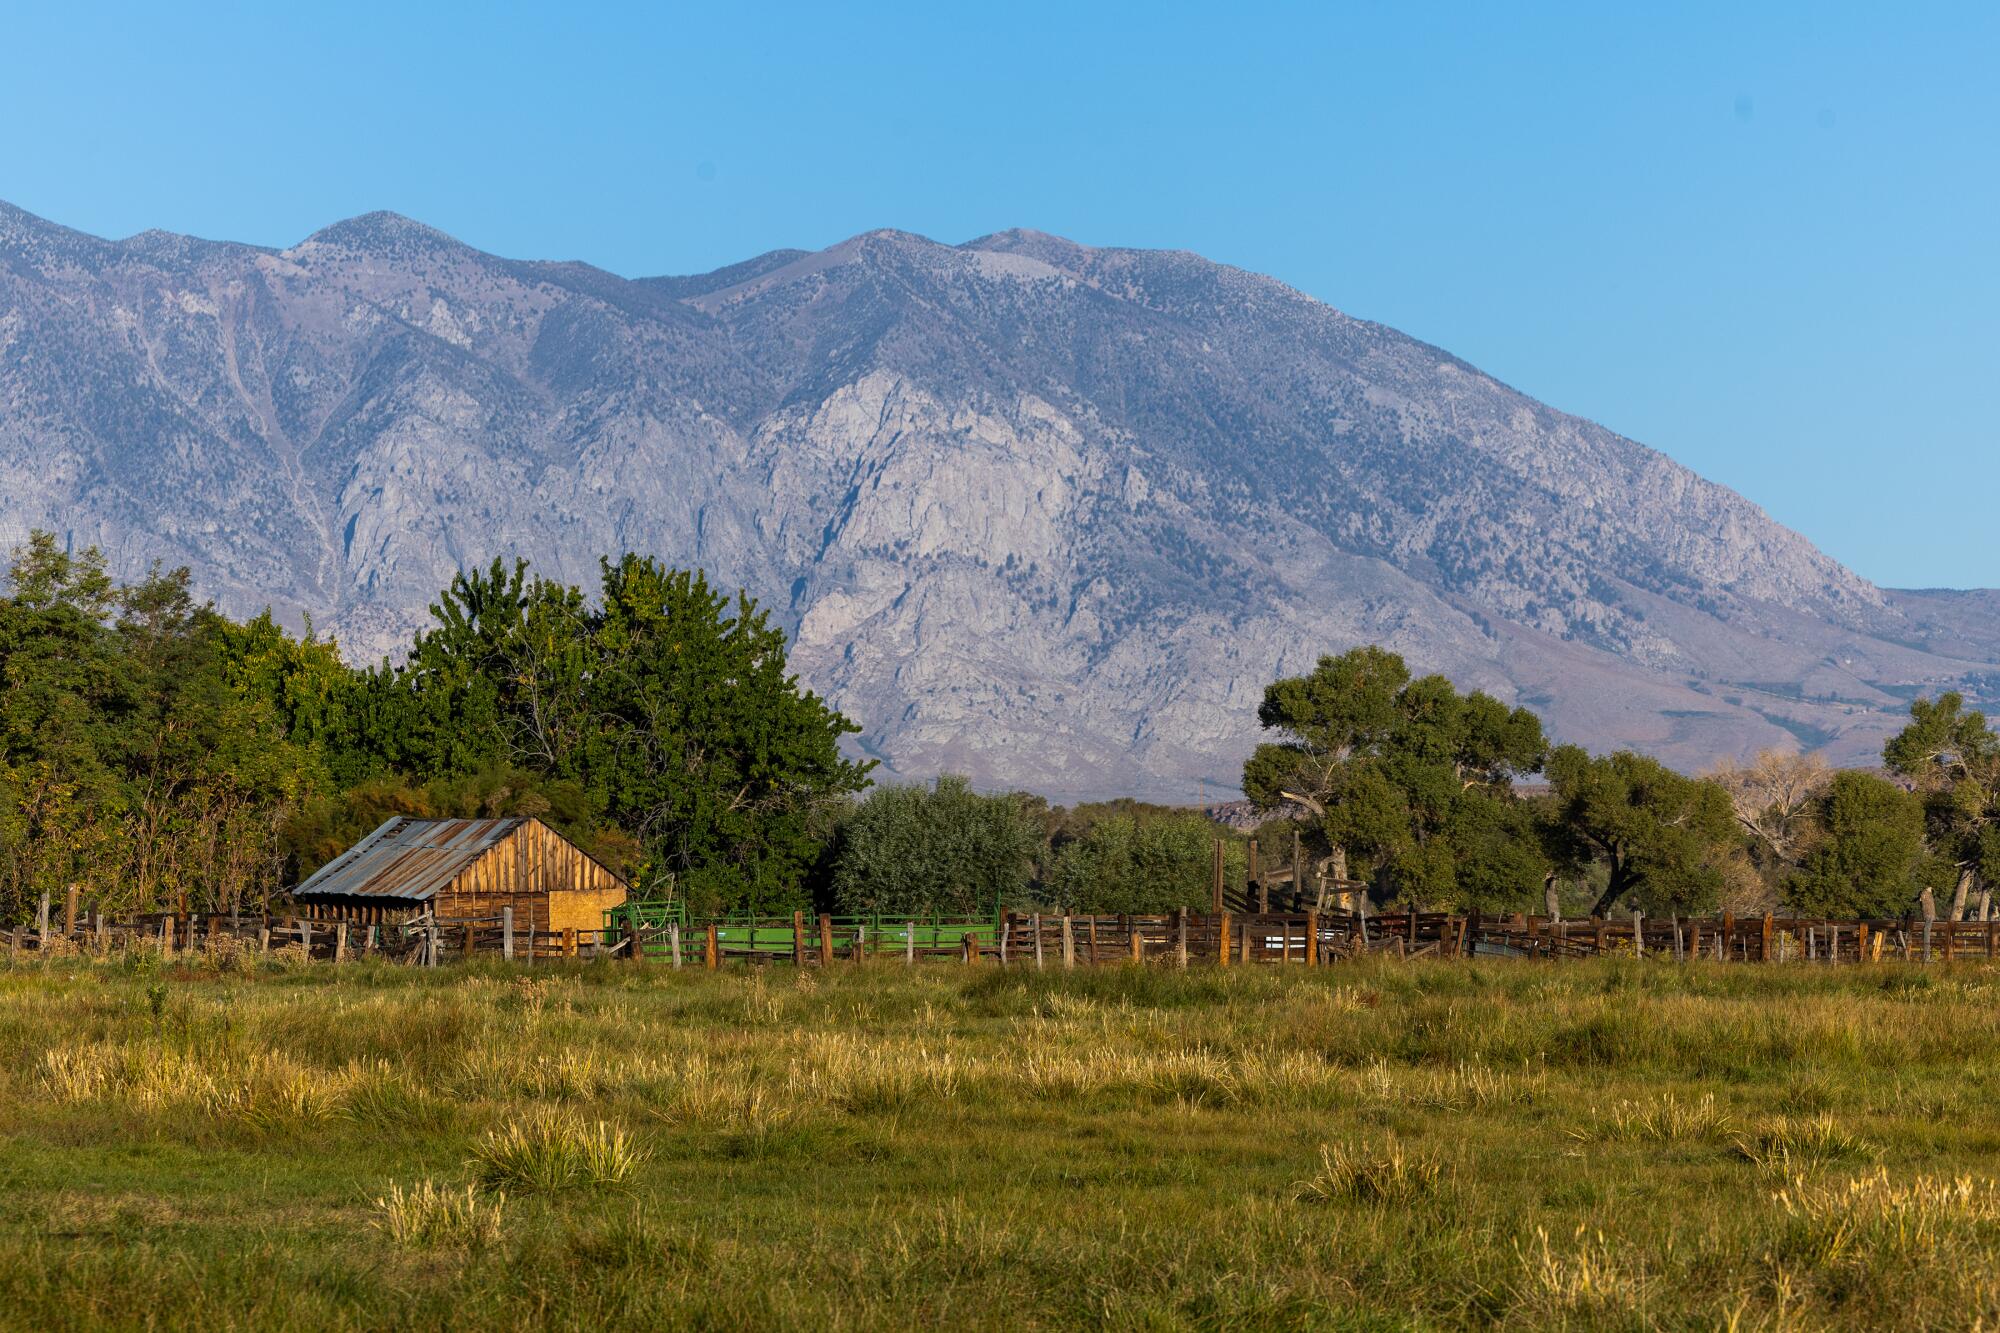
(1608,1144)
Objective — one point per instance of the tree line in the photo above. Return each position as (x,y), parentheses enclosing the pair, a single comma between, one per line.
(161,755)
(1419,792)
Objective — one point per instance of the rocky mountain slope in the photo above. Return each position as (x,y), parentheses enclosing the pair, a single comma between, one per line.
(1045,514)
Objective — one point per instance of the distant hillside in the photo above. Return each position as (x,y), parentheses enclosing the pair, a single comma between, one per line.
(1045,514)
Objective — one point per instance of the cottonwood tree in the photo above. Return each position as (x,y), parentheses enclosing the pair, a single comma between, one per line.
(1865,855)
(1662,837)
(135,763)
(1952,758)
(667,703)
(1408,777)
(1775,797)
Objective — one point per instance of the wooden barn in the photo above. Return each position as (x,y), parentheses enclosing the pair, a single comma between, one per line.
(460,868)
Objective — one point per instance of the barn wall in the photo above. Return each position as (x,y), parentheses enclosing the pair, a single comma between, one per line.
(583,909)
(549,883)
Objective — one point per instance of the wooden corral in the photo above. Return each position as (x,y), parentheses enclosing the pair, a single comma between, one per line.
(458,869)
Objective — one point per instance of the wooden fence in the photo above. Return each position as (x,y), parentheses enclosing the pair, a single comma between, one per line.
(1182,938)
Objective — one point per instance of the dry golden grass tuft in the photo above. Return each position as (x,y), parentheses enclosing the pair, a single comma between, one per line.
(430,1215)
(556,1151)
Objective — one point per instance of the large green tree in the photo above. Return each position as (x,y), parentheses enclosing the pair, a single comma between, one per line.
(1951,755)
(1866,856)
(1406,780)
(135,762)
(1662,837)
(667,704)
(943,849)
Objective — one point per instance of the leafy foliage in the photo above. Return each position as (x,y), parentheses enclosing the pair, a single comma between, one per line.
(1662,836)
(162,755)
(1406,780)
(944,849)
(1131,862)
(1868,858)
(1952,757)
(138,758)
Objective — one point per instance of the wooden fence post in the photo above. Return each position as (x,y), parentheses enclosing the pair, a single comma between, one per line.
(1133,938)
(1312,937)
(1222,939)
(465,945)
(712,952)
(860,941)
(1638,933)
(1764,940)
(909,944)
(69,912)
(674,941)
(1006,932)
(1068,942)
(42,922)
(968,949)
(166,933)
(507,933)
(1036,922)
(825,941)
(340,942)
(1180,937)
(799,940)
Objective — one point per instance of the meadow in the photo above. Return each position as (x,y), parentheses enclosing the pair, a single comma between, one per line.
(1381,1144)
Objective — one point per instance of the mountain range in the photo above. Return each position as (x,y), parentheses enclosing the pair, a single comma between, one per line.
(1041,513)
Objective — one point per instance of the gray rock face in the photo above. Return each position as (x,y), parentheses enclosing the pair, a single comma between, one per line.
(1047,515)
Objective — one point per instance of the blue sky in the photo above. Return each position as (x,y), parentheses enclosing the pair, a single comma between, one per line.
(1762,239)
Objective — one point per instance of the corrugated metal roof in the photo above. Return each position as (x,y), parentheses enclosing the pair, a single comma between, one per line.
(408,859)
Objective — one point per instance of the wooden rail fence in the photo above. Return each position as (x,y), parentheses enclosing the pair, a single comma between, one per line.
(1182,938)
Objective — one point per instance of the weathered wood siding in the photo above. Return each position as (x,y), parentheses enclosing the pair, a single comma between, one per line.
(549,883)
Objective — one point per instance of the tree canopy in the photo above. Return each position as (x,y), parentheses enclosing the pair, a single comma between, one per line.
(1661,836)
(1406,781)
(161,754)
(1866,855)
(943,849)
(1952,758)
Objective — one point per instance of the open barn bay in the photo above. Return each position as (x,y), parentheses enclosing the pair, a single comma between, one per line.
(1438,1144)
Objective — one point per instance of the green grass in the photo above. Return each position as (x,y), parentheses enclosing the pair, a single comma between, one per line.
(1607,1144)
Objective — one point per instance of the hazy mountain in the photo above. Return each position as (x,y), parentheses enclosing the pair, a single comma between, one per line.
(1045,514)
